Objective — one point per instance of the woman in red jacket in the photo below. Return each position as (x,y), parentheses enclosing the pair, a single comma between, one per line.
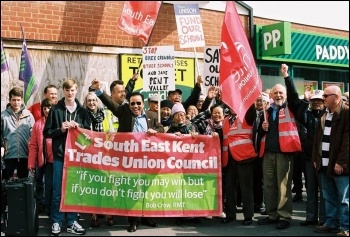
(40,158)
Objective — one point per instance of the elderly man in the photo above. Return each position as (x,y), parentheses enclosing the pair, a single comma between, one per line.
(176,95)
(330,155)
(308,115)
(153,103)
(279,143)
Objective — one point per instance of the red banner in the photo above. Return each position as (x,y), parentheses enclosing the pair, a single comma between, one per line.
(134,174)
(139,17)
(239,79)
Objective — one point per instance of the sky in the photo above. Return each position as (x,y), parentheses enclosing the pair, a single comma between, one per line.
(328,14)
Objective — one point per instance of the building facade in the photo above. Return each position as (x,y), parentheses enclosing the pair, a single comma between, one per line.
(81,40)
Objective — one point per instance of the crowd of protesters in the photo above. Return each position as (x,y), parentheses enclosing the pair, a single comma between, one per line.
(258,153)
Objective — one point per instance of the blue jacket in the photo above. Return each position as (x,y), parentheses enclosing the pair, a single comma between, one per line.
(16,132)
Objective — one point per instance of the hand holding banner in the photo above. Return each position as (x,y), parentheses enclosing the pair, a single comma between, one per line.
(133,174)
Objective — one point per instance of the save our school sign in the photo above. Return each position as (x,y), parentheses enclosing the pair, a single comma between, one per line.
(134,174)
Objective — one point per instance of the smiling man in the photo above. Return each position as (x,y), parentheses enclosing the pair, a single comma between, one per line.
(279,144)
(132,118)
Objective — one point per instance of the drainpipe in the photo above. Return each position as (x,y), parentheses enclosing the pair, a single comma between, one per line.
(250,17)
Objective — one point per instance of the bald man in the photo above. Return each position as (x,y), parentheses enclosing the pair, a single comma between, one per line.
(280,141)
(330,155)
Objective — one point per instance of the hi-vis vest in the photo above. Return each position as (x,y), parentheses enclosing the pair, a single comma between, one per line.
(288,135)
(239,139)
(110,122)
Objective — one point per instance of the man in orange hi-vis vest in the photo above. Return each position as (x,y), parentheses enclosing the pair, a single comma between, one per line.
(280,142)
(238,154)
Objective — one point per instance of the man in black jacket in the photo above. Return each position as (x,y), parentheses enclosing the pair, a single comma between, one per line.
(68,113)
(132,118)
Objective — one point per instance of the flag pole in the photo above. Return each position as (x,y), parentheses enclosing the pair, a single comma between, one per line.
(26,71)
(7,66)
(264,106)
(161,3)
(36,92)
(195,56)
(159,121)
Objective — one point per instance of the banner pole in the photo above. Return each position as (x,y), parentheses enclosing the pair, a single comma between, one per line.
(161,3)
(195,56)
(159,120)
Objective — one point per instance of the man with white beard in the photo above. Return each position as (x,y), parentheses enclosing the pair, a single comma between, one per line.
(279,143)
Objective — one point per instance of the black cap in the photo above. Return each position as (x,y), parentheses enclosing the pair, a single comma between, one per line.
(166,103)
(176,90)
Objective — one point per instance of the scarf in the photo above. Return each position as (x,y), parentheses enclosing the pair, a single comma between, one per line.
(97,120)
(167,122)
(212,126)
(184,128)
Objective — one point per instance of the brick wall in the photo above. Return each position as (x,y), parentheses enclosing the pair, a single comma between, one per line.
(94,23)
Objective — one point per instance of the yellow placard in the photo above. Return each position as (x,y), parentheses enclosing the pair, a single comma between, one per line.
(184,73)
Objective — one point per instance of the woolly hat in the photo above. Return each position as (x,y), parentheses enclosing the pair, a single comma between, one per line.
(317,95)
(178,107)
(166,103)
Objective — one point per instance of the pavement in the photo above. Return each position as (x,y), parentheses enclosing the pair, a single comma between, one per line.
(212,227)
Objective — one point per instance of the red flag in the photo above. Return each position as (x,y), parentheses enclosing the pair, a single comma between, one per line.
(239,80)
(139,17)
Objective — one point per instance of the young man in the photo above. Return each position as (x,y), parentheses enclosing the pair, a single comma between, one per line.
(68,113)
(16,129)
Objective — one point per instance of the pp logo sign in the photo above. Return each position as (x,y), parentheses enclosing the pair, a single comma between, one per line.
(276,39)
(273,37)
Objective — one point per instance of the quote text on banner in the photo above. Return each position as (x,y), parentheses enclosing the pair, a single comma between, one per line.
(134,174)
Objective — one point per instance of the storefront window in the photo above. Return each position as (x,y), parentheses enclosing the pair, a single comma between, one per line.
(271,75)
(323,75)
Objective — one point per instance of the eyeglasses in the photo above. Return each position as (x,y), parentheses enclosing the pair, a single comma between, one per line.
(91,100)
(179,115)
(135,103)
(325,95)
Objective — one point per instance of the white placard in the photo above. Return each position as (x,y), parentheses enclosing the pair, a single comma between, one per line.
(211,70)
(158,68)
(189,25)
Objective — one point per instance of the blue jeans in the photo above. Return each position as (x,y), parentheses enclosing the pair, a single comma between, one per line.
(56,215)
(335,191)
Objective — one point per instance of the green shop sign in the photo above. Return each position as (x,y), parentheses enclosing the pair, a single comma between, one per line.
(276,39)
(305,48)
